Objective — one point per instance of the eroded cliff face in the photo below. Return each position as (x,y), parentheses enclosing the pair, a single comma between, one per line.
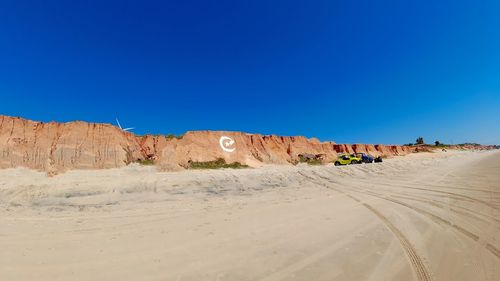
(56,147)
(250,149)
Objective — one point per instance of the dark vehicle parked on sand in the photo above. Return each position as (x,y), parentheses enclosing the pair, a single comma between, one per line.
(365,158)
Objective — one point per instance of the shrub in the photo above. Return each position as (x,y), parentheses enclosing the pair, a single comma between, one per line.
(310,161)
(146,162)
(219,163)
(469,143)
(172,136)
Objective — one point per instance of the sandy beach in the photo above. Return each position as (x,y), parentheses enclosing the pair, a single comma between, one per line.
(425,216)
(249,141)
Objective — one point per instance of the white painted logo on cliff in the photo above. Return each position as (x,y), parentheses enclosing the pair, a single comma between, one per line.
(227,144)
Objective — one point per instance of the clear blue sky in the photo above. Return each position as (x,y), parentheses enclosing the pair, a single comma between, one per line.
(348,71)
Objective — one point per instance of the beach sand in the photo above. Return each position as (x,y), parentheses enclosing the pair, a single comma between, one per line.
(425,216)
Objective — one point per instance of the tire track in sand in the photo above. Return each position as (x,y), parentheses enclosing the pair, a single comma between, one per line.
(416,262)
(476,200)
(468,213)
(493,250)
(433,217)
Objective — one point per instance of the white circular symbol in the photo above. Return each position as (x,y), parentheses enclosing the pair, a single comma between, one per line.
(226,143)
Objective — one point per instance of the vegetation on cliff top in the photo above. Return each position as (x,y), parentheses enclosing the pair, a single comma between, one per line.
(172,136)
(437,143)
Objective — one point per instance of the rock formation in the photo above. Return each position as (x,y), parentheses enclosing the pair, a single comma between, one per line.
(56,147)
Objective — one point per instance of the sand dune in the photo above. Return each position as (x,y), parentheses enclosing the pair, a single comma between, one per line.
(426,216)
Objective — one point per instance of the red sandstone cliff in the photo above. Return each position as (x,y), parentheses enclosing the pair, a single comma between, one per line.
(55,147)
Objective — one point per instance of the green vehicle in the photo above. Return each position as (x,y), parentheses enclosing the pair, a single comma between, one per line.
(346,159)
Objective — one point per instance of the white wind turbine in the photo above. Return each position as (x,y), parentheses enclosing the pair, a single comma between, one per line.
(119,125)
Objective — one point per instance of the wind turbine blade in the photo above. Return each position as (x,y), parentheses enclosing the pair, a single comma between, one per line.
(128,129)
(118,122)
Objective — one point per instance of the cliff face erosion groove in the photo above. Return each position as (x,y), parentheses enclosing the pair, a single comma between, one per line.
(56,147)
